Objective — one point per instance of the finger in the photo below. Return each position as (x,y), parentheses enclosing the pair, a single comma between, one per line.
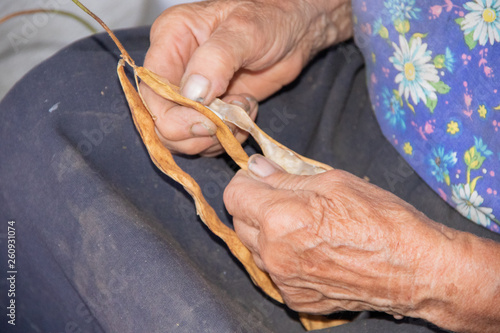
(213,151)
(245,101)
(174,37)
(173,41)
(248,234)
(263,83)
(258,261)
(248,199)
(181,123)
(249,105)
(175,123)
(183,130)
(270,173)
(265,208)
(187,131)
(239,44)
(242,103)
(193,146)
(213,64)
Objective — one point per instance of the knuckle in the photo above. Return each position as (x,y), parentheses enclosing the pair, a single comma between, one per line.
(291,302)
(337,175)
(241,136)
(170,133)
(303,299)
(171,128)
(212,151)
(318,208)
(275,215)
(284,215)
(188,147)
(230,197)
(258,260)
(171,16)
(195,146)
(273,264)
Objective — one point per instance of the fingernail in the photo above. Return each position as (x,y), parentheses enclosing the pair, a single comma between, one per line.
(196,88)
(201,129)
(253,104)
(261,166)
(251,99)
(244,106)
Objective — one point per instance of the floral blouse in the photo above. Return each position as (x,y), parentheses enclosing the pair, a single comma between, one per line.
(433,74)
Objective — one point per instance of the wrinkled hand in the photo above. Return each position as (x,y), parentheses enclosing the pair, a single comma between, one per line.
(335,242)
(231,47)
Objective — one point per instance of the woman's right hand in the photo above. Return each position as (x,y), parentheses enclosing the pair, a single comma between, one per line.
(242,51)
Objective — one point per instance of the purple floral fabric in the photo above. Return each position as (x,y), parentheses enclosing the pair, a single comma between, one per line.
(433,73)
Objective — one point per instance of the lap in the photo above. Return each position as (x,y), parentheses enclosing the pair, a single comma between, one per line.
(108,243)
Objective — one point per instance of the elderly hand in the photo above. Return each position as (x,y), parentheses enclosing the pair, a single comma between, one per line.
(336,242)
(233,47)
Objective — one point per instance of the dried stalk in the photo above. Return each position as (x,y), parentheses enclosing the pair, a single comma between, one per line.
(52,11)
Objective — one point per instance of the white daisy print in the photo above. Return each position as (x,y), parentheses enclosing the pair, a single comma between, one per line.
(469,205)
(416,70)
(483,20)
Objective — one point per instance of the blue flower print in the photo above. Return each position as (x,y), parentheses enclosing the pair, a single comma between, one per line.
(377,25)
(434,78)
(481,147)
(394,111)
(440,162)
(402,9)
(449,60)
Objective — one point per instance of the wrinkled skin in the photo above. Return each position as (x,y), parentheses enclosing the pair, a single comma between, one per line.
(222,41)
(329,250)
(334,242)
(330,241)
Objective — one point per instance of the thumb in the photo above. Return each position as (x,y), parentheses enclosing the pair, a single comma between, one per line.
(267,171)
(213,64)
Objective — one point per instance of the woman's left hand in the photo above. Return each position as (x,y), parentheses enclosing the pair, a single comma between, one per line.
(335,242)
